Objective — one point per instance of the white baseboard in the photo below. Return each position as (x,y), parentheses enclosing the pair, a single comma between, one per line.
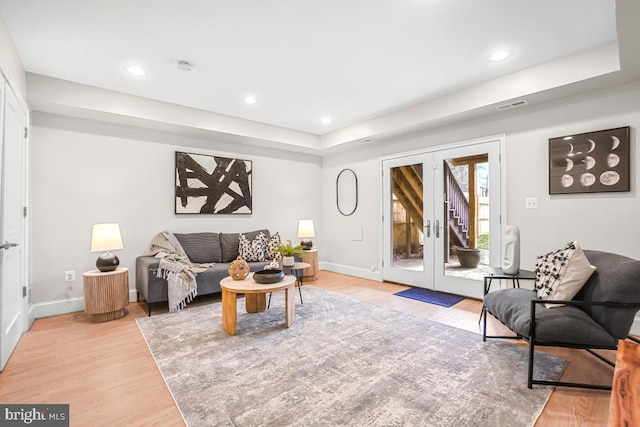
(351,271)
(57,307)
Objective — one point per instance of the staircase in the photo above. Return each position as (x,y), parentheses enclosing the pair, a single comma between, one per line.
(407,187)
(457,209)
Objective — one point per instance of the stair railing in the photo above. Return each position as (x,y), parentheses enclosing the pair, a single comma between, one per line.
(457,207)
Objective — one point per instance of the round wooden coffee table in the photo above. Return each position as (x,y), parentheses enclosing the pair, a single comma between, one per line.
(255,299)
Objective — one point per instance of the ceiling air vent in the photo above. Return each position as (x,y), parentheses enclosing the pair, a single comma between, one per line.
(512,105)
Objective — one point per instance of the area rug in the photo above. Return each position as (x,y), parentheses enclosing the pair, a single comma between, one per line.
(343,362)
(432,297)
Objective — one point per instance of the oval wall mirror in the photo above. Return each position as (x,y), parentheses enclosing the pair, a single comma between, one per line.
(347,192)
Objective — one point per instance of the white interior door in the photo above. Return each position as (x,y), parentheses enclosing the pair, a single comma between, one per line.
(12,238)
(419,238)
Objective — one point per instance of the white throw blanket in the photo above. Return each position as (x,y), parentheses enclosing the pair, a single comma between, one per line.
(176,268)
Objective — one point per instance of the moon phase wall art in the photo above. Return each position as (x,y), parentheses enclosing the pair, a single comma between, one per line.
(212,185)
(591,162)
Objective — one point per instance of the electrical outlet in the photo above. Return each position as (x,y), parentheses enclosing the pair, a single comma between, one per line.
(70,276)
(531,203)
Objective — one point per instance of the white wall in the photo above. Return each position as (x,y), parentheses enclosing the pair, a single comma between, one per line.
(600,221)
(85,172)
(351,243)
(10,61)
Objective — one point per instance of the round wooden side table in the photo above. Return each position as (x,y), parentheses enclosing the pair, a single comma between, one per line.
(106,294)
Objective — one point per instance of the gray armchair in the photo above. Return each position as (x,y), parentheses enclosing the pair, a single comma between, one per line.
(600,314)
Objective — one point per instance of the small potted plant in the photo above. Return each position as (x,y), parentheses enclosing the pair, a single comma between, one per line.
(288,251)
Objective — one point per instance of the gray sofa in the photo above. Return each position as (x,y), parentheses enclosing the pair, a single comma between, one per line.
(217,248)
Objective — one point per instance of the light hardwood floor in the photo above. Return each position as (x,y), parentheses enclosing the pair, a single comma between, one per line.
(107,375)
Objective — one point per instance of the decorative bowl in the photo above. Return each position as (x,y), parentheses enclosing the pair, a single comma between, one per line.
(266,277)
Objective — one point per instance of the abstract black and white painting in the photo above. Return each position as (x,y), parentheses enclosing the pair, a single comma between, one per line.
(590,162)
(212,185)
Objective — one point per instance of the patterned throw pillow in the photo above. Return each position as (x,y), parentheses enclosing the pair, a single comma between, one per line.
(561,274)
(271,251)
(252,250)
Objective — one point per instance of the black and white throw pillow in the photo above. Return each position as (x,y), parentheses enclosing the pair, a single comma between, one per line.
(562,273)
(271,251)
(252,250)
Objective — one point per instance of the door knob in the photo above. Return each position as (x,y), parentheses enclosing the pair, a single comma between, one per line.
(437,229)
(8,245)
(428,227)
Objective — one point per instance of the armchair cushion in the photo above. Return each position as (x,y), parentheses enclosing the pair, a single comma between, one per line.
(566,324)
(561,274)
(616,280)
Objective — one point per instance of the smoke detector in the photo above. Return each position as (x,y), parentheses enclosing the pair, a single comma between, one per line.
(184,65)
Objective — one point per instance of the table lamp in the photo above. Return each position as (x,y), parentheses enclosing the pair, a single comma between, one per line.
(106,237)
(305,230)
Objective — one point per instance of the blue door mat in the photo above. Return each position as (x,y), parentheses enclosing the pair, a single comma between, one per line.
(432,297)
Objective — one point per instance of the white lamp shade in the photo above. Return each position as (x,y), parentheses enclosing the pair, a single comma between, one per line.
(106,237)
(305,228)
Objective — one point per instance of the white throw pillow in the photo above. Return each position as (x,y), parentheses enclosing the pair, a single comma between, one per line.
(561,274)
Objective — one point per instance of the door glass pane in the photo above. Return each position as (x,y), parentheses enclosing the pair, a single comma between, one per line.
(408,215)
(466,213)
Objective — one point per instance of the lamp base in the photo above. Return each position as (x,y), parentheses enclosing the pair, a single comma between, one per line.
(306,244)
(107,262)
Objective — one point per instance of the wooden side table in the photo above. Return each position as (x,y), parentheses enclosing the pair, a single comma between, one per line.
(106,294)
(311,258)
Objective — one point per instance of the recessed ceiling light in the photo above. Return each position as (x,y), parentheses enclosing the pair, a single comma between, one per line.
(184,65)
(135,70)
(500,55)
(250,99)
(325,120)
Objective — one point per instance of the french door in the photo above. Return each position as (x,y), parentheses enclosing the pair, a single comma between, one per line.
(436,203)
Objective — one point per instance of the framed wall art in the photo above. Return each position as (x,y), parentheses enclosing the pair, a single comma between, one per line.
(212,185)
(592,162)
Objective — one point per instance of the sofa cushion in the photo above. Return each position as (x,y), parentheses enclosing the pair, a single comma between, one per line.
(201,247)
(230,242)
(209,281)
